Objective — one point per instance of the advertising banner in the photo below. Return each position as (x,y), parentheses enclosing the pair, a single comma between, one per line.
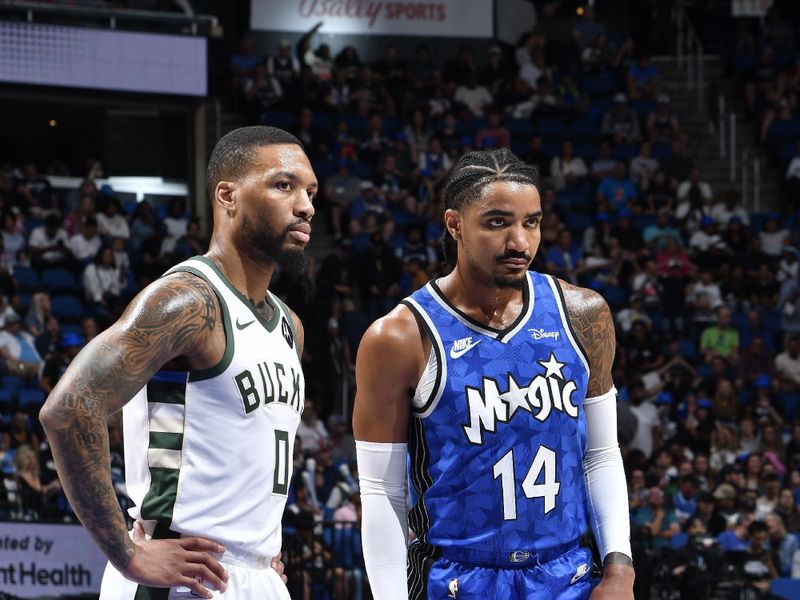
(446,18)
(47,561)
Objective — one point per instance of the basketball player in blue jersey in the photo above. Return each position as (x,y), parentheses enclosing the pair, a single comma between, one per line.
(493,384)
(206,362)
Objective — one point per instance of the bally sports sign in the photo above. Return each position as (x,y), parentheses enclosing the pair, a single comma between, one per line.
(451,18)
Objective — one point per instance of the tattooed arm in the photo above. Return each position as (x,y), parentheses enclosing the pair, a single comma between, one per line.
(177,316)
(593,327)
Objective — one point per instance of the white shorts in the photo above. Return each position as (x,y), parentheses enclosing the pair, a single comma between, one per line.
(247,580)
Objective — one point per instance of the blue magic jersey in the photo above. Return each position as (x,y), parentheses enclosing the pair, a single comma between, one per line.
(498,433)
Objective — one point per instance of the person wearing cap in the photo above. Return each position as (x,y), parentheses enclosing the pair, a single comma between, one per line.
(725,510)
(662,124)
(620,123)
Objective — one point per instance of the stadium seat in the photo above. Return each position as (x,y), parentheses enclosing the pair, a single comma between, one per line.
(598,85)
(69,308)
(5,401)
(588,151)
(791,404)
(679,540)
(574,198)
(577,222)
(585,129)
(553,129)
(29,399)
(785,587)
(623,152)
(687,349)
(12,384)
(27,278)
(521,129)
(661,151)
(616,297)
(279,118)
(60,281)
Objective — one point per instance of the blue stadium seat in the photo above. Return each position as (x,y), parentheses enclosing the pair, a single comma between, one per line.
(791,404)
(321,120)
(553,128)
(783,130)
(588,151)
(392,124)
(687,349)
(279,118)
(642,106)
(616,297)
(587,129)
(60,280)
(5,401)
(27,279)
(643,220)
(12,384)
(361,169)
(577,222)
(356,124)
(785,587)
(521,129)
(29,399)
(324,168)
(599,84)
(69,308)
(623,152)
(551,148)
(661,151)
(679,540)
(788,152)
(574,197)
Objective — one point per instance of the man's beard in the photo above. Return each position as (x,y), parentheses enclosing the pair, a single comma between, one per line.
(521,281)
(271,246)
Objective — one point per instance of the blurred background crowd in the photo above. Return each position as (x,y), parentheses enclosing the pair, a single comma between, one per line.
(704,287)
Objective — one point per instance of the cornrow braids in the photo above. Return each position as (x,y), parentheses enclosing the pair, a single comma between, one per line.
(475,170)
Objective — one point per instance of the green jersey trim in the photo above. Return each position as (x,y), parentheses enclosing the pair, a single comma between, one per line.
(268,324)
(288,314)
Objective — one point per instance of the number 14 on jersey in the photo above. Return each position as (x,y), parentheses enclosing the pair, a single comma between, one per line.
(544,465)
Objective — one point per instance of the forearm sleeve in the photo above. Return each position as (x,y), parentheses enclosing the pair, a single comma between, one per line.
(384,524)
(605,476)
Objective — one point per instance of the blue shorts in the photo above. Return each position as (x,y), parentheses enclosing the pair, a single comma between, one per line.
(436,574)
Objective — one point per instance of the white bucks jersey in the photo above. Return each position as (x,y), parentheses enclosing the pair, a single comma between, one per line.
(209,452)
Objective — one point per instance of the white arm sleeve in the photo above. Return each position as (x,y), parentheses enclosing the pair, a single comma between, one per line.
(384,523)
(605,476)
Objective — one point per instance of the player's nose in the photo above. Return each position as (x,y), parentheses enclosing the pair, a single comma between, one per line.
(303,206)
(517,239)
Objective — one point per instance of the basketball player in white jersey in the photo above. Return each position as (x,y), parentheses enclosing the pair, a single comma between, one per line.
(206,363)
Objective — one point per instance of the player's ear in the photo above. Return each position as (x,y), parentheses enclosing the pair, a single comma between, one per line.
(225,197)
(452,220)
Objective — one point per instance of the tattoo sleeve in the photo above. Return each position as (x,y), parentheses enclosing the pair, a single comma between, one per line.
(168,319)
(593,326)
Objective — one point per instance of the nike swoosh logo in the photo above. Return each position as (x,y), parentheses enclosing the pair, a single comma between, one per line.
(579,573)
(459,353)
(244,325)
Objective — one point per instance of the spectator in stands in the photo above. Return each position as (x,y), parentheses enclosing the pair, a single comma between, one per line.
(34,497)
(47,244)
(144,226)
(537,157)
(603,166)
(417,133)
(340,191)
(55,365)
(474,97)
(774,236)
(564,259)
(343,446)
(693,190)
(311,429)
(84,245)
(319,60)
(789,265)
(720,339)
(617,192)
(457,69)
(496,70)
(659,520)
(643,166)
(760,566)
(787,365)
(102,284)
(434,160)
(729,207)
(313,137)
(191,244)
(789,306)
(644,80)
(375,142)
(762,78)
(175,224)
(782,544)
(706,246)
(89,328)
(662,125)
(587,28)
(566,169)
(244,62)
(18,348)
(111,222)
(284,67)
(34,194)
(20,433)
(47,341)
(348,62)
(38,313)
(620,123)
(534,70)
(494,135)
(83,210)
(261,92)
(792,180)
(13,240)
(678,165)
(656,235)
(787,509)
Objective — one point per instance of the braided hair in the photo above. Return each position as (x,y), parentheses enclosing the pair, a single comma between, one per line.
(472,173)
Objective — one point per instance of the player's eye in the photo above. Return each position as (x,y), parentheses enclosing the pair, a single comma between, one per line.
(533,223)
(284,186)
(498,222)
